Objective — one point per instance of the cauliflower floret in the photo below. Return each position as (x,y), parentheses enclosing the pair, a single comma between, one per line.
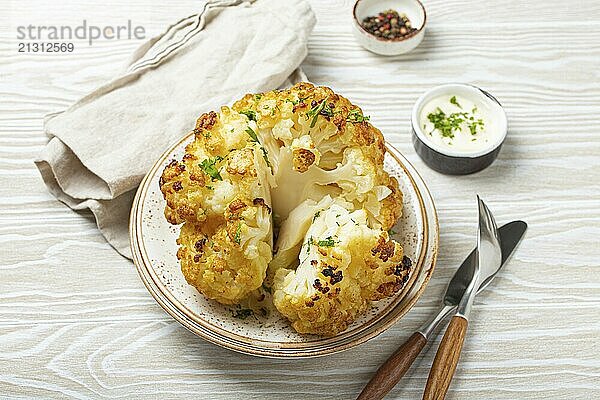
(304,164)
(294,228)
(344,265)
(226,240)
(225,263)
(304,154)
(283,131)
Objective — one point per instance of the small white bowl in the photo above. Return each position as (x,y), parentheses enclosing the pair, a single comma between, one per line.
(452,162)
(413,9)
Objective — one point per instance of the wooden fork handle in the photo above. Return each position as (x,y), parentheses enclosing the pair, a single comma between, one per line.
(388,375)
(446,359)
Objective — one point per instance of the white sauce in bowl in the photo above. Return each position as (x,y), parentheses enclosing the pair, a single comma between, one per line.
(459,120)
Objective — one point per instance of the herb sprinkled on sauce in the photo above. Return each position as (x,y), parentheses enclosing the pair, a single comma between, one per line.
(448,124)
(460,121)
(455,102)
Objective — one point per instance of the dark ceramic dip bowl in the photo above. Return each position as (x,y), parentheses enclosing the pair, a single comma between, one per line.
(451,162)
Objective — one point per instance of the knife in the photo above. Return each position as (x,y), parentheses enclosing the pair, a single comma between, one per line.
(388,375)
(489,261)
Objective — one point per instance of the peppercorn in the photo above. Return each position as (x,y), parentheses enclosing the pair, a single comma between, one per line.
(389,24)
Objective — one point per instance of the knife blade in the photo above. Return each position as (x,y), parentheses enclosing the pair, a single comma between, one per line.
(510,235)
(388,375)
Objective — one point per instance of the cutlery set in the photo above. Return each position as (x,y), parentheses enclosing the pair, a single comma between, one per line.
(494,247)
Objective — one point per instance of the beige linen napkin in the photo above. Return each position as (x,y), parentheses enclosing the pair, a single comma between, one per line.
(102,146)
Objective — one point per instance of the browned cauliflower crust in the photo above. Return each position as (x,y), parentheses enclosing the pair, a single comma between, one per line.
(273,162)
(344,265)
(319,143)
(221,195)
(208,262)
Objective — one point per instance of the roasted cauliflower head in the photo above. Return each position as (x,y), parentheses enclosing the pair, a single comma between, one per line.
(302,165)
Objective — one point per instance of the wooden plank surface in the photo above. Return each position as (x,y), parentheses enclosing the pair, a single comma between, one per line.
(76,321)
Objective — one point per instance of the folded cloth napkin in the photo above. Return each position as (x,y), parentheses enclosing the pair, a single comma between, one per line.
(101,147)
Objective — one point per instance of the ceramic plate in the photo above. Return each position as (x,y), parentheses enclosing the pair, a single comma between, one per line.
(154,253)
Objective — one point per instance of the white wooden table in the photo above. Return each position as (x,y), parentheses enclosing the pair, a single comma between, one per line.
(75,319)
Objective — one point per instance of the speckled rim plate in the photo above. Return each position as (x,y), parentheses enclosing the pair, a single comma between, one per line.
(313,346)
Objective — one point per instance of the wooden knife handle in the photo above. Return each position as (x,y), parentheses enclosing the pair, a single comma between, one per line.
(388,375)
(446,359)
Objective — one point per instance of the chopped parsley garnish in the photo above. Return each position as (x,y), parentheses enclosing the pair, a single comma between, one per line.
(392,232)
(309,242)
(474,124)
(455,102)
(209,167)
(237,238)
(294,102)
(254,138)
(329,242)
(357,116)
(328,111)
(447,125)
(251,114)
(252,134)
(314,113)
(265,156)
(257,97)
(321,108)
(316,215)
(242,313)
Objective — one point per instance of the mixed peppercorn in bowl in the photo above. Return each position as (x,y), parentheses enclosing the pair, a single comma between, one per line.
(389,27)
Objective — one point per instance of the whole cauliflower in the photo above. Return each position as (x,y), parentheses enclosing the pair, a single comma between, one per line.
(303,165)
